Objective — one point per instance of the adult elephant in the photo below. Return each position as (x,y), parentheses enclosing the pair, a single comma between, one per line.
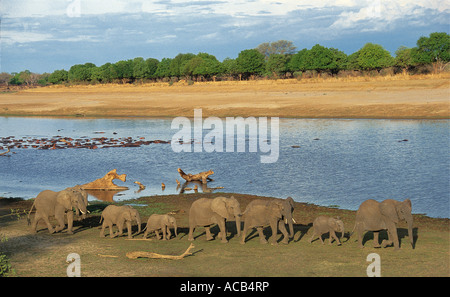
(273,213)
(84,194)
(119,215)
(206,212)
(49,203)
(376,216)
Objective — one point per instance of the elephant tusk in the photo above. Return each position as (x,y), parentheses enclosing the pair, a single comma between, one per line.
(294,221)
(82,212)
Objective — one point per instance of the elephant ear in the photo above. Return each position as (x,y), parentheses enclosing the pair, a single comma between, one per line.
(219,206)
(388,209)
(64,198)
(277,209)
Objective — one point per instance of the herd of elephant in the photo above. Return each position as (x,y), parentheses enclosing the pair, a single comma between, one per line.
(204,212)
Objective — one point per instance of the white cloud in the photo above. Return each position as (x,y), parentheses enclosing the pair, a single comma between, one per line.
(377,15)
(10,37)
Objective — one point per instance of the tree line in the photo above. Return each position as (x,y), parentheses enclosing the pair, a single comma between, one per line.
(278,59)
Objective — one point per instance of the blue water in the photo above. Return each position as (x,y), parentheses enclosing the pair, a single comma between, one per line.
(339,162)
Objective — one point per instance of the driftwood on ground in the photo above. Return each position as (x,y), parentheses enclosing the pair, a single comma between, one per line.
(202,176)
(135,255)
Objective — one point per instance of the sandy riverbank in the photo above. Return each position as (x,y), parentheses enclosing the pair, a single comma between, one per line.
(423,97)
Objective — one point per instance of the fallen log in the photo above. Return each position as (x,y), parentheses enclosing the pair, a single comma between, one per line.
(4,153)
(135,255)
(202,176)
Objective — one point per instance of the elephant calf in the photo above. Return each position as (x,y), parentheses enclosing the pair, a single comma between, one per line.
(324,224)
(158,222)
(118,215)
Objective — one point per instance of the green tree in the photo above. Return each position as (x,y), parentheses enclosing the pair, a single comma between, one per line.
(374,57)
(276,64)
(250,62)
(209,66)
(140,70)
(58,76)
(176,63)
(81,72)
(298,61)
(403,58)
(229,67)
(433,49)
(163,69)
(123,70)
(152,66)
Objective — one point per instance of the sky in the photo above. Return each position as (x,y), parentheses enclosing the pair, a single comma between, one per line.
(47,35)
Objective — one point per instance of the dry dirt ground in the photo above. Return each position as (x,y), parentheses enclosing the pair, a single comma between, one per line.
(383,97)
(43,254)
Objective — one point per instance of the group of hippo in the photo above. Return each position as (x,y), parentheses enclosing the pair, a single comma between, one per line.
(60,142)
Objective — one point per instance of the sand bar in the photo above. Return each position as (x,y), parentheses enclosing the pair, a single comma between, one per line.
(408,97)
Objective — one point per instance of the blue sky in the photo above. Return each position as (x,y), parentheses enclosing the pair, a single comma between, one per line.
(45,35)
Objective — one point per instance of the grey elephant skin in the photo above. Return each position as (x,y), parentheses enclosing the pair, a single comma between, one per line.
(325,224)
(206,212)
(376,216)
(163,223)
(260,213)
(49,203)
(119,215)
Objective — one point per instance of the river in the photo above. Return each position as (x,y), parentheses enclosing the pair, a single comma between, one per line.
(329,162)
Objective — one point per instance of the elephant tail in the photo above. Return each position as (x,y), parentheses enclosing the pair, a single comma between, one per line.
(101,219)
(353,231)
(28,216)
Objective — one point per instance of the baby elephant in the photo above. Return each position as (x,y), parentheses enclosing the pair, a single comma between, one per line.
(158,222)
(324,224)
(119,215)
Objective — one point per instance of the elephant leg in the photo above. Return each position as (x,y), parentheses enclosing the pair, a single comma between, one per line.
(70,222)
(273,238)
(169,234)
(393,237)
(244,233)
(262,239)
(119,229)
(223,231)
(47,222)
(111,231)
(129,229)
(376,241)
(59,216)
(102,232)
(333,236)
(283,230)
(36,219)
(321,238)
(191,232)
(312,237)
(157,235)
(208,233)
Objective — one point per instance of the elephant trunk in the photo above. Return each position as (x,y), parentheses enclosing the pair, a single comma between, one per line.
(238,224)
(290,221)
